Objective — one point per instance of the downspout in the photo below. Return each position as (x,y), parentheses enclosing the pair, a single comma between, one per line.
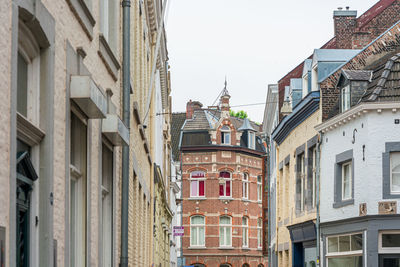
(126,4)
(269,196)
(318,156)
(181,239)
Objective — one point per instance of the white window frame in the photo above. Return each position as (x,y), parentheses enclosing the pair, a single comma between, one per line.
(79,177)
(302,180)
(252,140)
(107,211)
(223,230)
(259,232)
(259,188)
(387,250)
(223,180)
(225,135)
(314,176)
(349,182)
(345,98)
(195,229)
(346,253)
(245,186)
(109,22)
(197,180)
(391,173)
(245,232)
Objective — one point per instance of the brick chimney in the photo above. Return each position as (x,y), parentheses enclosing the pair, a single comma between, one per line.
(191,106)
(345,23)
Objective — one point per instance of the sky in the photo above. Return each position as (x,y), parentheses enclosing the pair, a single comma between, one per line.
(252,43)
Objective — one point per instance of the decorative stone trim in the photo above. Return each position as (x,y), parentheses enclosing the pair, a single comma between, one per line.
(106,54)
(28,132)
(83,15)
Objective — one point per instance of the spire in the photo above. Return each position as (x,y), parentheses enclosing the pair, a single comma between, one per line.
(225,91)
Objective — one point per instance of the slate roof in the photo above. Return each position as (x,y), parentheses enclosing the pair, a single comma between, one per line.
(178,120)
(333,55)
(385,82)
(357,75)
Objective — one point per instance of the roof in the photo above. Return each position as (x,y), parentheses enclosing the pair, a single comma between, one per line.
(357,75)
(198,122)
(307,66)
(333,55)
(246,126)
(296,84)
(178,120)
(385,82)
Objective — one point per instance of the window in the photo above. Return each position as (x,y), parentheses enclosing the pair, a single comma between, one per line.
(389,242)
(107,204)
(395,172)
(345,97)
(314,175)
(301,169)
(346,181)
(252,140)
(259,188)
(197,231)
(108,22)
(259,233)
(197,184)
(245,188)
(245,232)
(225,135)
(78,194)
(225,188)
(225,231)
(345,250)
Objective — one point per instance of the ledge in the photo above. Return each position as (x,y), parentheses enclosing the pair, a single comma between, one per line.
(197,198)
(343,203)
(28,132)
(106,54)
(83,15)
(197,247)
(225,248)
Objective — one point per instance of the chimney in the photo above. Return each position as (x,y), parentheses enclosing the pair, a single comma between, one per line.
(345,23)
(191,106)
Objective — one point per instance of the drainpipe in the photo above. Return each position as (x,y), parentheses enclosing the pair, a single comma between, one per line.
(126,4)
(318,156)
(181,239)
(269,196)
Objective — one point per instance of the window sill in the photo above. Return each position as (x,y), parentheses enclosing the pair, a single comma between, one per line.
(245,248)
(343,203)
(225,247)
(246,200)
(391,195)
(195,247)
(226,198)
(84,16)
(197,198)
(107,55)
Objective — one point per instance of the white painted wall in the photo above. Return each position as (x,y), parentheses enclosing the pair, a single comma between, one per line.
(378,129)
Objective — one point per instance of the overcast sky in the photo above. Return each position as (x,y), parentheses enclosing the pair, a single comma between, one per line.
(253,42)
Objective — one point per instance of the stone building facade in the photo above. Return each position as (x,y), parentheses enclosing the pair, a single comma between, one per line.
(222,161)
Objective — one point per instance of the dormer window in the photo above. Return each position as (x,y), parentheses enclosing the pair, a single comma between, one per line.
(225,135)
(345,97)
(252,140)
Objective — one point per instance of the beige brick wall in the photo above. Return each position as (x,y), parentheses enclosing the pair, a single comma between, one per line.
(286,205)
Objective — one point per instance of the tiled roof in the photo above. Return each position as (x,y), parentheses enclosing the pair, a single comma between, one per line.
(357,75)
(177,121)
(385,82)
(198,122)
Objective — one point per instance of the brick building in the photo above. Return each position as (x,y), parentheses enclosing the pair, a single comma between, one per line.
(222,188)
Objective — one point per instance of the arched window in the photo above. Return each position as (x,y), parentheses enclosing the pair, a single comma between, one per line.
(197,184)
(260,265)
(225,265)
(245,232)
(225,231)
(259,188)
(225,135)
(245,265)
(245,188)
(197,231)
(225,182)
(259,233)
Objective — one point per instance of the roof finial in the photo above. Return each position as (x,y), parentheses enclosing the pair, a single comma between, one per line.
(225,90)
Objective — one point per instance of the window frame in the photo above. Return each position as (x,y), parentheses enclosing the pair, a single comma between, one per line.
(343,159)
(259,188)
(259,233)
(345,97)
(223,181)
(197,180)
(252,140)
(391,172)
(197,227)
(245,232)
(314,177)
(226,134)
(245,186)
(349,182)
(225,227)
(349,253)
(387,250)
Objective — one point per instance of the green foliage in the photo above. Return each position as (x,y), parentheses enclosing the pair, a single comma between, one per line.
(241,114)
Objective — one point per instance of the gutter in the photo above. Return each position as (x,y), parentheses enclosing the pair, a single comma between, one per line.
(126,4)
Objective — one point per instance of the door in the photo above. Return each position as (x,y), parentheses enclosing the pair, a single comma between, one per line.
(389,260)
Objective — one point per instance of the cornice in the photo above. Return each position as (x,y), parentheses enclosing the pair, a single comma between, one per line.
(355,112)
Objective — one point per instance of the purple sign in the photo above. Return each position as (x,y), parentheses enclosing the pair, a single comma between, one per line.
(178,230)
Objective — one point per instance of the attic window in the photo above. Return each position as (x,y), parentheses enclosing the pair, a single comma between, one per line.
(225,135)
(252,137)
(345,97)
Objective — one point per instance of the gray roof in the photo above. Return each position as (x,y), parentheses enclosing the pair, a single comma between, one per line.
(178,119)
(357,75)
(296,84)
(333,55)
(246,126)
(385,82)
(199,121)
(307,66)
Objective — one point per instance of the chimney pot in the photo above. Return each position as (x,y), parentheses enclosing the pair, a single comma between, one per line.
(347,7)
(340,8)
